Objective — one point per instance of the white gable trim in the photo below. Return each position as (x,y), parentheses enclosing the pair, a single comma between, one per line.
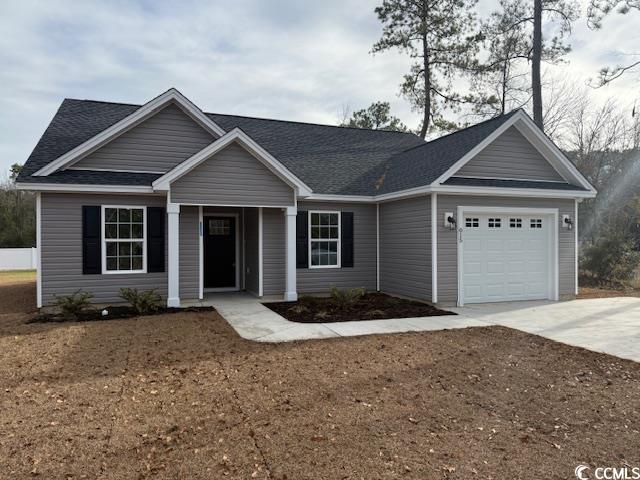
(539,140)
(141,114)
(238,136)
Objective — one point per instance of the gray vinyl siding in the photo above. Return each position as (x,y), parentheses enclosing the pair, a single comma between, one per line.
(273,252)
(232,177)
(405,247)
(447,240)
(62,249)
(510,155)
(252,278)
(363,272)
(189,247)
(155,145)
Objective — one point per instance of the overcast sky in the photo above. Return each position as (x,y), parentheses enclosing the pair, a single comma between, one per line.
(287,59)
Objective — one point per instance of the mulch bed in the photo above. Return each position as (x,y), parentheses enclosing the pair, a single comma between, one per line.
(372,306)
(114,313)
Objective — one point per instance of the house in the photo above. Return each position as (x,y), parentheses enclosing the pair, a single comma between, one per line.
(167,197)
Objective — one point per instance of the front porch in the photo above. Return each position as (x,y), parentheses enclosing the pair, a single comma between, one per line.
(217,248)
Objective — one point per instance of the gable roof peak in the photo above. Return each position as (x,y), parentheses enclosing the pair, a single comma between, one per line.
(142,113)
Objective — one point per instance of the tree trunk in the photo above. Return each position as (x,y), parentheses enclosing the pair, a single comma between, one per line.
(426,117)
(503,100)
(536,81)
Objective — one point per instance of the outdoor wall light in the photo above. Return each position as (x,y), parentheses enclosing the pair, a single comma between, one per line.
(449,221)
(567,222)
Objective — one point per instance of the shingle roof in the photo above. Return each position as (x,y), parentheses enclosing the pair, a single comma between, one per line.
(497,182)
(330,159)
(423,164)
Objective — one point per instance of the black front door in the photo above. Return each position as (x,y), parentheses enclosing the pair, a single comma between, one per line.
(219,252)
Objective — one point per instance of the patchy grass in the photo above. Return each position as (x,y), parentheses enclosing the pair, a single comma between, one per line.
(17,276)
(596,292)
(182,396)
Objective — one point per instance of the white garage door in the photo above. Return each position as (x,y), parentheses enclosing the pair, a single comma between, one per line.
(505,257)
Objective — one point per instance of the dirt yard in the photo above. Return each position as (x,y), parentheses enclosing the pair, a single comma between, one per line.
(17,291)
(182,396)
(593,292)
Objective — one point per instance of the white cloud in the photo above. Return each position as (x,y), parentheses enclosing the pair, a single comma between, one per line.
(281,59)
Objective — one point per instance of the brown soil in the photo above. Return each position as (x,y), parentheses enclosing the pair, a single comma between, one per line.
(182,396)
(17,292)
(117,312)
(595,292)
(372,306)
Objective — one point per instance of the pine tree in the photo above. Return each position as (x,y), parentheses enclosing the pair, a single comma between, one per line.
(439,36)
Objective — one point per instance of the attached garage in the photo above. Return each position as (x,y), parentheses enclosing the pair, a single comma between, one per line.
(507,254)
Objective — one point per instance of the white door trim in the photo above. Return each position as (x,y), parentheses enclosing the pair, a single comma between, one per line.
(236,287)
(552,213)
(39,250)
(577,246)
(200,253)
(434,247)
(260,262)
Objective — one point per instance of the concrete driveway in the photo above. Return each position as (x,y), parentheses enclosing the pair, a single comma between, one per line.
(609,325)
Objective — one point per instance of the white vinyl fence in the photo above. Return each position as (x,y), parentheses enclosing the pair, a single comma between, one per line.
(18,258)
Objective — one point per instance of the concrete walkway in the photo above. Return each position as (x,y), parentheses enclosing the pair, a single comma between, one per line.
(254,321)
(609,325)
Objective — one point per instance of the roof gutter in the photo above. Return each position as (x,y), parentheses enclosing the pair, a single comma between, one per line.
(387,197)
(62,188)
(455,190)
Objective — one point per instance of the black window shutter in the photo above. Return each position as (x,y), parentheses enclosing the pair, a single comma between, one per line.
(155,239)
(302,240)
(91,243)
(346,251)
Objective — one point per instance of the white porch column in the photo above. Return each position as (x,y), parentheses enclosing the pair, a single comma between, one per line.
(173,248)
(291,294)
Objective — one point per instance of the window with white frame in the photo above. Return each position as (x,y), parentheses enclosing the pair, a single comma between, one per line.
(324,239)
(495,222)
(124,239)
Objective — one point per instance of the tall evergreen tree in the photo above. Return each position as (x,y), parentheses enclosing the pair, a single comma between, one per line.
(514,35)
(438,35)
(376,117)
(596,12)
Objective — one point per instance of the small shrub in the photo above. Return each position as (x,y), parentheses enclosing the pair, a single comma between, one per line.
(299,309)
(346,298)
(70,306)
(322,315)
(143,303)
(612,261)
(375,314)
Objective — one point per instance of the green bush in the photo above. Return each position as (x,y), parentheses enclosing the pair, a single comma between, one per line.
(144,303)
(611,261)
(70,306)
(346,298)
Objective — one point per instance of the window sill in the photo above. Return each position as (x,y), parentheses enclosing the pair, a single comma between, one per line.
(122,272)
